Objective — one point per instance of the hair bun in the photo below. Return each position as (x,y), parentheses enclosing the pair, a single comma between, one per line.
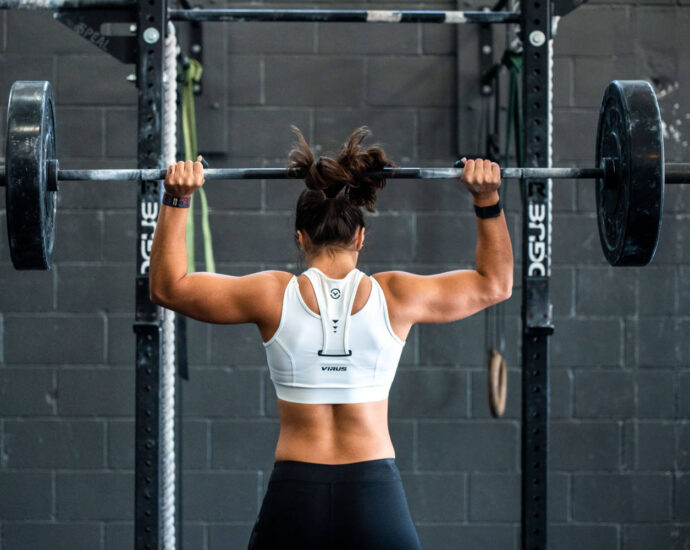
(301,164)
(348,175)
(360,162)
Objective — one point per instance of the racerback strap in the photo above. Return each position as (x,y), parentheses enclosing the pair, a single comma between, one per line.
(335,298)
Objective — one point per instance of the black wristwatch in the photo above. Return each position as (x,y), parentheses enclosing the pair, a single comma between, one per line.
(491,211)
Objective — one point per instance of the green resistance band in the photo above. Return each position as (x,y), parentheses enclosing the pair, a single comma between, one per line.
(192,75)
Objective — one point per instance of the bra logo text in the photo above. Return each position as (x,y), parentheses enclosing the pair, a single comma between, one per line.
(334,368)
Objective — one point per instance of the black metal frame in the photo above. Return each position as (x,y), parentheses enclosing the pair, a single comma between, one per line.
(486,59)
(537,322)
(150,14)
(196,45)
(87,23)
(489,79)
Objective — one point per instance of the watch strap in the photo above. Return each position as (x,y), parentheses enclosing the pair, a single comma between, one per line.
(178,202)
(491,211)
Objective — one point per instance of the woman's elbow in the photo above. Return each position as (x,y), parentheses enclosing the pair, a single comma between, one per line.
(506,292)
(158,296)
(505,284)
(155,298)
(501,290)
(166,294)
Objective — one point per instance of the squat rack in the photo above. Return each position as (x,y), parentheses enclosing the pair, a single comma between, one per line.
(146,50)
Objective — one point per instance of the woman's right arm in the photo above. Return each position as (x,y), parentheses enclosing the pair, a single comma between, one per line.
(453,295)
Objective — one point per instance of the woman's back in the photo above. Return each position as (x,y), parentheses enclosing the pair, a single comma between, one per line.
(353,426)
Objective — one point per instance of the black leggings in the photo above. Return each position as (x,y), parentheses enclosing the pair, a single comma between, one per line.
(360,506)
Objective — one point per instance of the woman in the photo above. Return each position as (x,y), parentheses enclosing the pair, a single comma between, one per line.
(333,337)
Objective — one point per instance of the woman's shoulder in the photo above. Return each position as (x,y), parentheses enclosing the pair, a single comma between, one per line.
(269,289)
(399,287)
(386,279)
(276,279)
(266,285)
(283,276)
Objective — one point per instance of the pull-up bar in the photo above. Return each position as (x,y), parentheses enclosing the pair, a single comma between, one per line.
(285,15)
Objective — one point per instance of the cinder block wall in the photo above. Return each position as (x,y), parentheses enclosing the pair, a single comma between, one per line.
(619,383)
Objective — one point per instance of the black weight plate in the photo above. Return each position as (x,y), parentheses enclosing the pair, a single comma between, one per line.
(630,201)
(30,204)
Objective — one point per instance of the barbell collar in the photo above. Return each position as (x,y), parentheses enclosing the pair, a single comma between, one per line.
(52,172)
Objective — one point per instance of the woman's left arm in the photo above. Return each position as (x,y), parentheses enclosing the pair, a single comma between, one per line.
(207,297)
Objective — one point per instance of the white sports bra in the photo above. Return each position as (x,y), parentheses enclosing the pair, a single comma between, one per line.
(334,356)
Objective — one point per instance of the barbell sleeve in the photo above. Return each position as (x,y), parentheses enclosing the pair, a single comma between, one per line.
(676,172)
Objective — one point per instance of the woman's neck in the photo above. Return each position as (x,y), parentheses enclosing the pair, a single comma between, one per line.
(335,266)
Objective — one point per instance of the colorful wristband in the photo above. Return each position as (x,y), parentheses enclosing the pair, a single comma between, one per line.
(484,212)
(179,202)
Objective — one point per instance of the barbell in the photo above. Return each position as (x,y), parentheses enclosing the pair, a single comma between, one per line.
(629,171)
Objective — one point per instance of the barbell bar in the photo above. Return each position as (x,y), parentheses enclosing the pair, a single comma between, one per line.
(629,172)
(674,173)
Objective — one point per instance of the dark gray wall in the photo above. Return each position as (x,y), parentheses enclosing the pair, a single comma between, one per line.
(619,383)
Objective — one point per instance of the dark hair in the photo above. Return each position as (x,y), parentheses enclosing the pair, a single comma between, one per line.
(329,210)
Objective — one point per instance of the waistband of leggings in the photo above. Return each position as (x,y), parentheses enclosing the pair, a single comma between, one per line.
(383,469)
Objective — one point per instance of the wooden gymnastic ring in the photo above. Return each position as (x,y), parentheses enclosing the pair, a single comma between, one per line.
(498,383)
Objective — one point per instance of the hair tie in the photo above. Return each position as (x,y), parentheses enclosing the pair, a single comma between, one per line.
(333,191)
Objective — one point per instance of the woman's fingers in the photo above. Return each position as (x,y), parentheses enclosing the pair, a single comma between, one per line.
(481,171)
(179,169)
(184,177)
(198,171)
(478,171)
(468,170)
(481,175)
(495,171)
